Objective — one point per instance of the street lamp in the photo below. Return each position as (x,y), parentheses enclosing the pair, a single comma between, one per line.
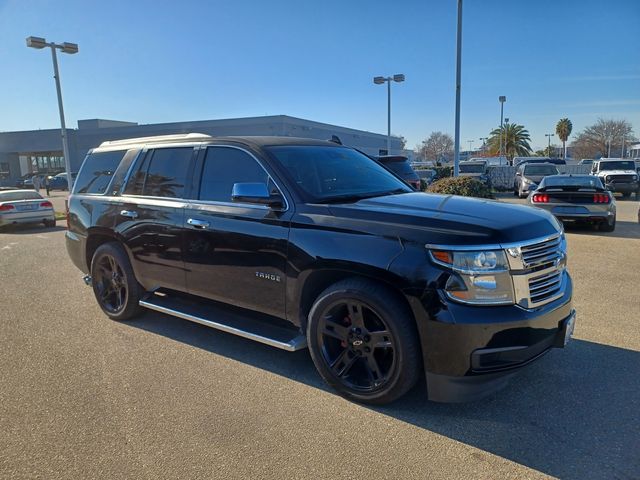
(456,141)
(70,48)
(501,99)
(398,77)
(549,135)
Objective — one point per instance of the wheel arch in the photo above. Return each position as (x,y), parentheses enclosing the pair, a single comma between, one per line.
(314,281)
(97,236)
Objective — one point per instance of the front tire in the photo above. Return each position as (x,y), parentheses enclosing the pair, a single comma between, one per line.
(114,283)
(363,342)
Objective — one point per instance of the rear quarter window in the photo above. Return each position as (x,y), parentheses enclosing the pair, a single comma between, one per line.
(96,172)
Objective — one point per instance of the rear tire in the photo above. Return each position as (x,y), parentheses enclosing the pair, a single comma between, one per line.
(608,227)
(114,283)
(363,342)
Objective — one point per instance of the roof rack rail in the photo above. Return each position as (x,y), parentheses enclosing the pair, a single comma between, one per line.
(157,139)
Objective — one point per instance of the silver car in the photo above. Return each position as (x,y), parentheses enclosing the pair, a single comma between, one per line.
(529,175)
(25,206)
(576,199)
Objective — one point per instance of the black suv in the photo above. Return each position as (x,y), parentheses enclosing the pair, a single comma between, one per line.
(315,244)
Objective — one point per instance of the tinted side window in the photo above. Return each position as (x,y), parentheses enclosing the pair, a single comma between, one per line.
(135,184)
(96,172)
(166,174)
(225,166)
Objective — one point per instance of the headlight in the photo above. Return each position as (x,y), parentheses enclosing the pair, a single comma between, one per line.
(607,178)
(478,277)
(526,180)
(634,177)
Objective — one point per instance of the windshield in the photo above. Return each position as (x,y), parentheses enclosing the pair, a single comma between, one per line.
(331,173)
(621,165)
(540,170)
(401,168)
(584,181)
(25,195)
(473,168)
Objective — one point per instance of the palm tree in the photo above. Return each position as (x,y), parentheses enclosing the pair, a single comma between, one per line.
(563,130)
(515,141)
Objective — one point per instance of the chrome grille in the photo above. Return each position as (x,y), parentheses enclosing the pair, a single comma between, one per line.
(538,271)
(544,287)
(621,178)
(539,256)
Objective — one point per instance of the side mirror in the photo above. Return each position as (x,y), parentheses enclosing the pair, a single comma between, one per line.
(518,174)
(256,193)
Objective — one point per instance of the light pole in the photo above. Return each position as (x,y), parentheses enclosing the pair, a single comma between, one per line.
(622,146)
(66,47)
(456,148)
(501,99)
(549,135)
(399,77)
(609,147)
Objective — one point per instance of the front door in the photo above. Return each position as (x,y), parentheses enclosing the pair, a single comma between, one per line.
(235,253)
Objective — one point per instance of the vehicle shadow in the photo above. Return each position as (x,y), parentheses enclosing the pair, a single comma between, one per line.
(30,229)
(573,414)
(623,229)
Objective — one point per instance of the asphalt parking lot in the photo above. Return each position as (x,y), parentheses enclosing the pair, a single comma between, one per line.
(85,397)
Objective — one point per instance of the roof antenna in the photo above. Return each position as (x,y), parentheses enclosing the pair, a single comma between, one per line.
(335,139)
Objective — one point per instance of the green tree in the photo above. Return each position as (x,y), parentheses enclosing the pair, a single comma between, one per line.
(515,141)
(563,130)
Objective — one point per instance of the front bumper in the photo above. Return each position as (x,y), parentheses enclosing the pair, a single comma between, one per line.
(470,351)
(623,187)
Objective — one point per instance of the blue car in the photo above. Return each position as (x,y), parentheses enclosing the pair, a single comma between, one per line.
(59,181)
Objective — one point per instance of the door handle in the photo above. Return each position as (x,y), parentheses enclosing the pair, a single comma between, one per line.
(199,224)
(129,213)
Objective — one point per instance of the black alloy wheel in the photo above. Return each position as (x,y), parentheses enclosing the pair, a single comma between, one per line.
(114,284)
(364,342)
(357,345)
(111,284)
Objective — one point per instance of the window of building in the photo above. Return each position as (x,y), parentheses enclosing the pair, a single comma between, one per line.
(225,166)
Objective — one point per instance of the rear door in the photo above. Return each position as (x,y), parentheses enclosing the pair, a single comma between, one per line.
(235,253)
(149,216)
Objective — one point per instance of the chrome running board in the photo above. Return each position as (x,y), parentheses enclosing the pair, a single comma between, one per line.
(288,339)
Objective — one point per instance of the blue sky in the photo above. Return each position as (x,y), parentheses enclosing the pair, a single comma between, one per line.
(152,61)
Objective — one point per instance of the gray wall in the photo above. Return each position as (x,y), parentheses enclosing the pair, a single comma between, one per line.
(93,132)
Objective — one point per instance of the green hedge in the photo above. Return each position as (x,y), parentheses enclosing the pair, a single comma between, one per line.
(443,172)
(464,186)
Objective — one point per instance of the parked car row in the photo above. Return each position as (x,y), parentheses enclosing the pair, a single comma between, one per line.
(56,182)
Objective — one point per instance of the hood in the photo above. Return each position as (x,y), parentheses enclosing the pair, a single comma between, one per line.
(604,173)
(535,178)
(447,219)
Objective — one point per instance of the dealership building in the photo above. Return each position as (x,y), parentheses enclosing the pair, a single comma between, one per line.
(40,151)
